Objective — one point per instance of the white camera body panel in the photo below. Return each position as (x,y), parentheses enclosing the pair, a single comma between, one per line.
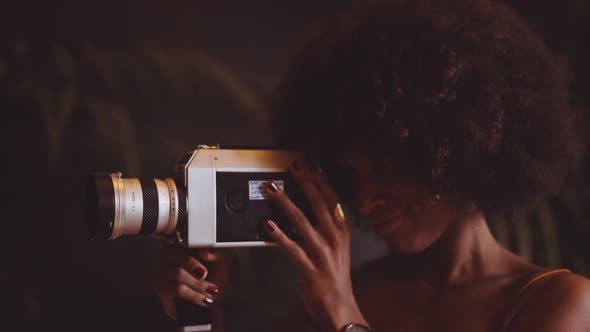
(200,174)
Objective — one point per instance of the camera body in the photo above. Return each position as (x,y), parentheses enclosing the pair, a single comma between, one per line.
(226,200)
(217,198)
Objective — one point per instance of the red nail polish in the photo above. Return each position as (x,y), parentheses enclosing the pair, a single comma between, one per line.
(199,272)
(273,187)
(270,226)
(207,301)
(212,290)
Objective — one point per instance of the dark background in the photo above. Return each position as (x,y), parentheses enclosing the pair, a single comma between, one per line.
(129,85)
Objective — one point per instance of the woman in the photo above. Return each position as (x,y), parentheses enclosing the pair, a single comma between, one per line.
(427,117)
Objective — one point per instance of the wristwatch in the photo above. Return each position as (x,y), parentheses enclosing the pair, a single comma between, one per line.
(356,328)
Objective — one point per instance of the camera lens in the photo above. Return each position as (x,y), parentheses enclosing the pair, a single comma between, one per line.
(119,206)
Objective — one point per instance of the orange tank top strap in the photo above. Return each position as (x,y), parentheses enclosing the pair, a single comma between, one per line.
(530,282)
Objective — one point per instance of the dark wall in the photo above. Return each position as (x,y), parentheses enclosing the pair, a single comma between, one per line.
(112,85)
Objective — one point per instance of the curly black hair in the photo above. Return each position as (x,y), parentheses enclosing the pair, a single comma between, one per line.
(461,95)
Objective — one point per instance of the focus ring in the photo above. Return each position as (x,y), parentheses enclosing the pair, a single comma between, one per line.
(150,206)
(182,211)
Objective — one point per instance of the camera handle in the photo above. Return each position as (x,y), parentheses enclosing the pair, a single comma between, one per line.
(191,317)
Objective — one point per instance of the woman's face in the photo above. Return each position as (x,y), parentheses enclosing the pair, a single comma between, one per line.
(409,217)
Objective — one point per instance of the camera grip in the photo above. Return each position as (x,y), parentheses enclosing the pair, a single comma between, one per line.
(191,317)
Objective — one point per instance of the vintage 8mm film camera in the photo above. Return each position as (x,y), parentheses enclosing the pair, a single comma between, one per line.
(216,199)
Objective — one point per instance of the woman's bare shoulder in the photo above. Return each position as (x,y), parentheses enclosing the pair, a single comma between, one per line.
(565,288)
(558,301)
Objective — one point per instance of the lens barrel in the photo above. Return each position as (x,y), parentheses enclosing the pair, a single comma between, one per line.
(120,206)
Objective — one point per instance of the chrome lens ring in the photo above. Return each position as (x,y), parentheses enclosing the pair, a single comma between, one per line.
(174,200)
(130,206)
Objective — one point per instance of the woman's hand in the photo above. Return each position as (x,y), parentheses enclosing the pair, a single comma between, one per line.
(323,256)
(179,275)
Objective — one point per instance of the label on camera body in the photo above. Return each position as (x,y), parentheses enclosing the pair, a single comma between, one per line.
(256,191)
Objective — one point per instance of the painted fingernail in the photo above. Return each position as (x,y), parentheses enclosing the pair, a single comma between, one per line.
(199,272)
(297,164)
(270,226)
(208,301)
(212,290)
(273,187)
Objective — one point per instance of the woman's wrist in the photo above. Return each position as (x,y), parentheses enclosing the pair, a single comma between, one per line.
(343,315)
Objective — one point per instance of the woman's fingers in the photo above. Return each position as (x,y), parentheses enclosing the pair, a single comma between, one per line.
(176,256)
(173,281)
(168,289)
(328,193)
(292,249)
(220,255)
(209,254)
(311,238)
(179,275)
(319,196)
(332,200)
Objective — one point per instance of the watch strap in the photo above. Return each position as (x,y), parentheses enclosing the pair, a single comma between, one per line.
(352,327)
